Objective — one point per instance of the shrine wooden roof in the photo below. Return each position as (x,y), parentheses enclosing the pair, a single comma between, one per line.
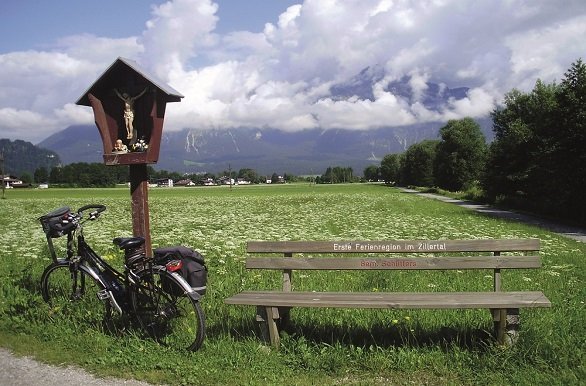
(127,73)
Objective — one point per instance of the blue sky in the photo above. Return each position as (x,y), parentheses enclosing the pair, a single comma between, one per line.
(38,24)
(272,63)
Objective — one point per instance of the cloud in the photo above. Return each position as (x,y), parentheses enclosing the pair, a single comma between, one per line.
(546,52)
(281,77)
(478,103)
(96,49)
(175,33)
(36,88)
(20,124)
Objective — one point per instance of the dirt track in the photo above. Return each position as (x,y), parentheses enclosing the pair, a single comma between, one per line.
(572,232)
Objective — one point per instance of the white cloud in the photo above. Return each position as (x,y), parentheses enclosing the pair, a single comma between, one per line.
(175,33)
(96,49)
(281,77)
(546,52)
(24,124)
(418,83)
(478,103)
(73,114)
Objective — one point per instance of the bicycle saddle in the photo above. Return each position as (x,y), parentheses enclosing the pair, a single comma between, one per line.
(128,242)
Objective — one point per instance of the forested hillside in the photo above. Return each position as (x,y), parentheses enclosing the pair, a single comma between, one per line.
(21,157)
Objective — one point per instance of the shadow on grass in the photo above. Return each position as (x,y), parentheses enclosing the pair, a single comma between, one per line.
(394,336)
(378,335)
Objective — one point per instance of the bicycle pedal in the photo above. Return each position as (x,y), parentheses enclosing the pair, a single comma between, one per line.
(104,294)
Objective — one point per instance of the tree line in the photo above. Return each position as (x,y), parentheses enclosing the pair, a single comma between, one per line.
(97,175)
(536,162)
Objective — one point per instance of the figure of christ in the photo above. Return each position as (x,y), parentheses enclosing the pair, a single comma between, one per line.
(129,110)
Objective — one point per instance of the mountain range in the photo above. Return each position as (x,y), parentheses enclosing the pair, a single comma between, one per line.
(276,151)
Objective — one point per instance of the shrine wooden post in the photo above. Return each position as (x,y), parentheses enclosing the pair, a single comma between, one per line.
(129,109)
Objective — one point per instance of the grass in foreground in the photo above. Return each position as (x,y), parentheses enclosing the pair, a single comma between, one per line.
(324,345)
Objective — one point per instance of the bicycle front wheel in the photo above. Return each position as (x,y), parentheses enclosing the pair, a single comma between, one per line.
(166,312)
(72,292)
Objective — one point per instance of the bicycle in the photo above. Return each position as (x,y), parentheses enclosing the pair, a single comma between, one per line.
(151,291)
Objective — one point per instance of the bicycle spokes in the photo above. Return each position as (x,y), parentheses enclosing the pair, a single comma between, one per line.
(166,313)
(73,293)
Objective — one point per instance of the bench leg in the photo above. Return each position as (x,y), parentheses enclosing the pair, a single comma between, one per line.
(506,325)
(268,316)
(284,317)
(512,327)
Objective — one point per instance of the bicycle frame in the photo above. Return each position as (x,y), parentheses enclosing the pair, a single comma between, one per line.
(118,284)
(113,281)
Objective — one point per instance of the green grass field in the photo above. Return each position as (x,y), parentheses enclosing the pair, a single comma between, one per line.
(324,346)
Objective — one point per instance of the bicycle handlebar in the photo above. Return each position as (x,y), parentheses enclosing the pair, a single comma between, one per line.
(94,214)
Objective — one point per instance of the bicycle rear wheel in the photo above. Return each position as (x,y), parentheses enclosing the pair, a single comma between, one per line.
(166,312)
(73,293)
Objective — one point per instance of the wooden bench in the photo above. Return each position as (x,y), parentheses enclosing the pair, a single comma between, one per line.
(273,306)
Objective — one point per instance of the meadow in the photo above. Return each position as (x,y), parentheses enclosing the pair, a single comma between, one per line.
(323,346)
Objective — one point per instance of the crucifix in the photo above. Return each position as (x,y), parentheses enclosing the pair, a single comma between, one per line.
(129,110)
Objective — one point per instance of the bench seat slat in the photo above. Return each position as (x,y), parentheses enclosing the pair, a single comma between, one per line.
(392,300)
(366,263)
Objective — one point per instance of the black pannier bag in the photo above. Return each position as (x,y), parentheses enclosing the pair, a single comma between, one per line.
(56,223)
(193,269)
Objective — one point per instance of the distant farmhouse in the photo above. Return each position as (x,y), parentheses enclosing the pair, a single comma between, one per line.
(186,182)
(10,182)
(165,182)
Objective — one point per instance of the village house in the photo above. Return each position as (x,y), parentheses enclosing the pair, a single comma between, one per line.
(165,182)
(207,181)
(12,182)
(226,181)
(186,182)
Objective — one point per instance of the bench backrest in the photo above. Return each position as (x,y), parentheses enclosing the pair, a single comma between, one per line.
(366,254)
(377,255)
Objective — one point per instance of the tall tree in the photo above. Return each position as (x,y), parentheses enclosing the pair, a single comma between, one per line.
(519,157)
(249,174)
(41,175)
(569,142)
(371,173)
(417,164)
(390,168)
(460,154)
(508,161)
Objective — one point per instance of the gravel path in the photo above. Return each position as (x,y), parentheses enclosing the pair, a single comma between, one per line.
(572,232)
(24,371)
